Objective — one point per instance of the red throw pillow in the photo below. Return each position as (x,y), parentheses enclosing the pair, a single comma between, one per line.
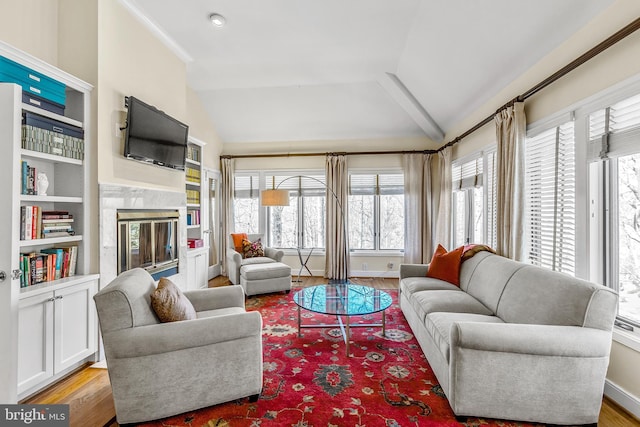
(446,265)
(237,240)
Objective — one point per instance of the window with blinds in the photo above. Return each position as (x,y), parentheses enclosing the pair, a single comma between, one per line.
(468,174)
(550,197)
(302,223)
(246,206)
(473,186)
(615,130)
(614,150)
(490,159)
(376,211)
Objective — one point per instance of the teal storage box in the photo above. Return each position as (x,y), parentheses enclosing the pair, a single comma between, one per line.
(32,81)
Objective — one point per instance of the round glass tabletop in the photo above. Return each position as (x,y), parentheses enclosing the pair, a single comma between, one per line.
(345,299)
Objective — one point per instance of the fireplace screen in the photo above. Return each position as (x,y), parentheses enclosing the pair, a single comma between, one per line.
(149,240)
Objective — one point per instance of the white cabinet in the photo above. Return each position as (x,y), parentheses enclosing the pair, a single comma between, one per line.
(197,269)
(56,330)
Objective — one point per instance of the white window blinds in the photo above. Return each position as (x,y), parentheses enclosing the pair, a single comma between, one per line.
(467,174)
(490,159)
(246,187)
(615,131)
(308,185)
(368,184)
(550,197)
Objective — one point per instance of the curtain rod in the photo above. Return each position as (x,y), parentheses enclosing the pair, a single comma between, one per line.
(591,53)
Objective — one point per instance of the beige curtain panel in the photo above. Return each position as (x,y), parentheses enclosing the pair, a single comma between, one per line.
(418,206)
(511,126)
(337,242)
(442,231)
(226,215)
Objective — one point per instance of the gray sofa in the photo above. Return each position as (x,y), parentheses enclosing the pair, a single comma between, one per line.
(163,369)
(514,341)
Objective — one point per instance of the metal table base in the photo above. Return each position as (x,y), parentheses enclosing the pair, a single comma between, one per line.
(345,327)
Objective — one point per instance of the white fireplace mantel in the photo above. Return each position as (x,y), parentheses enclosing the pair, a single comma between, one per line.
(114,197)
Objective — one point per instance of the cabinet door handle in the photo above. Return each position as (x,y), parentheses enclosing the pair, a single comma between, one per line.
(59,297)
(50,299)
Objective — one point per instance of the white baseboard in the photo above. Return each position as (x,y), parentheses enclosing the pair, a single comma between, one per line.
(626,400)
(354,273)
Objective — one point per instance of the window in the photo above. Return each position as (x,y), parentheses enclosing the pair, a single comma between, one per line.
(614,149)
(302,223)
(474,200)
(246,206)
(550,198)
(376,211)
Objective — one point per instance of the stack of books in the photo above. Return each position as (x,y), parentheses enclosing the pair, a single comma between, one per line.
(36,223)
(29,175)
(48,265)
(192,175)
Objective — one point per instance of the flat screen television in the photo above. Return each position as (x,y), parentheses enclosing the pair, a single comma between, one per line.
(153,136)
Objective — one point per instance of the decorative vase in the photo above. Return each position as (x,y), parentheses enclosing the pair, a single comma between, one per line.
(42,184)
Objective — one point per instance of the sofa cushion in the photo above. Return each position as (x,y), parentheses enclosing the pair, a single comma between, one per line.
(446,265)
(426,302)
(220,312)
(256,260)
(170,304)
(536,295)
(410,285)
(490,277)
(439,325)
(265,271)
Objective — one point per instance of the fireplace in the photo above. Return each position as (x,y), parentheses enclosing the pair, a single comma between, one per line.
(148,239)
(116,199)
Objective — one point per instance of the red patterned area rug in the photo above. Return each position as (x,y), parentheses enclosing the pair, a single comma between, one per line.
(310,382)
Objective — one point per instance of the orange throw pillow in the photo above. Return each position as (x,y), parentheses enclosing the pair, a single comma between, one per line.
(446,265)
(237,240)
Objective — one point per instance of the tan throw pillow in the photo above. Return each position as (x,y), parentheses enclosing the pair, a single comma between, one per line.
(170,304)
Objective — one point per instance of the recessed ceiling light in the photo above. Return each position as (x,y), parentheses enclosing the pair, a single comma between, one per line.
(217,20)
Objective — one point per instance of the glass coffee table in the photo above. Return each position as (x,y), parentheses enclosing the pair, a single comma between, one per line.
(343,299)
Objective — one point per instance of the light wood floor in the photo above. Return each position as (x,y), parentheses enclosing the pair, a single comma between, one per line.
(88,392)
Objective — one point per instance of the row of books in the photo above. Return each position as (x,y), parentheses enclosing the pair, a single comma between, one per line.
(46,141)
(193,153)
(193,197)
(29,176)
(192,175)
(36,223)
(48,265)
(193,216)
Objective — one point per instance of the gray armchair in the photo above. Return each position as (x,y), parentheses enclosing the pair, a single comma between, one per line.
(163,369)
(235,260)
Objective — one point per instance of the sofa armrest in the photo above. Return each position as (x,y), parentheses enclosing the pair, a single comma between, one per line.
(214,298)
(541,340)
(273,253)
(413,270)
(166,337)
(234,262)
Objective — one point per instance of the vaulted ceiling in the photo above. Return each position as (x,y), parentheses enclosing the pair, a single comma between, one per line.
(293,70)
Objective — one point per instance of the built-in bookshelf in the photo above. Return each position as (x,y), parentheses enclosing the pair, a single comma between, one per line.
(47,324)
(193,183)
